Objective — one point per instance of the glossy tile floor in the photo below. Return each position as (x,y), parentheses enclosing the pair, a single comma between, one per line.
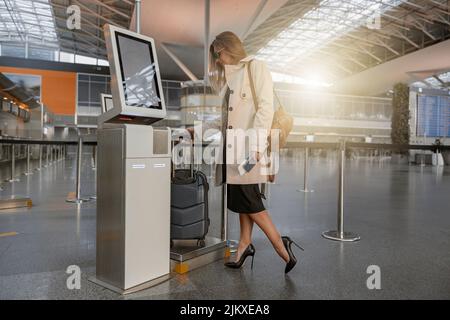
(401,213)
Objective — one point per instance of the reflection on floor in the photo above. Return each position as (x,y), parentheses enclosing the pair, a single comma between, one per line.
(400,212)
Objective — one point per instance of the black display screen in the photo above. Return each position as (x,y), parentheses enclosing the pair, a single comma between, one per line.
(138,70)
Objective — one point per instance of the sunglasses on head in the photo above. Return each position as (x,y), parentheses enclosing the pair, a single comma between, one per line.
(216,54)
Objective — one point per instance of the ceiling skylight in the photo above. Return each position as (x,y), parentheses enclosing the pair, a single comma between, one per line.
(329,20)
(22,19)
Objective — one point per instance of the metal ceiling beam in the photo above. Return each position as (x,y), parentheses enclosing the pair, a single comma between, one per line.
(377,43)
(179,63)
(64,8)
(87,46)
(400,35)
(77,50)
(91,24)
(259,8)
(112,9)
(131,3)
(96,14)
(80,36)
(438,4)
(422,28)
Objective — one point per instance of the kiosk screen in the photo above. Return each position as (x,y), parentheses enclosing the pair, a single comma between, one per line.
(137,66)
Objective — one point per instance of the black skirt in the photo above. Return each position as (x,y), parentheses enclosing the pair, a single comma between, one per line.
(244,198)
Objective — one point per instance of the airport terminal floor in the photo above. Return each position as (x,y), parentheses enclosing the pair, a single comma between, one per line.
(400,212)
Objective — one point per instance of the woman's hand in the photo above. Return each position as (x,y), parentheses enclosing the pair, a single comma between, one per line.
(257,156)
(191,131)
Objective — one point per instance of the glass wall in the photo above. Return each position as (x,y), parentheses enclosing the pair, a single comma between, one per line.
(330,106)
(90,87)
(34,51)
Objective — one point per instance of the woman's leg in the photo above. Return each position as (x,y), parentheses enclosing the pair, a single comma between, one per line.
(246,227)
(264,221)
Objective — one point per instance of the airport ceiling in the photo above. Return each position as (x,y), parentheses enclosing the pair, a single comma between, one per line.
(340,38)
(331,39)
(89,38)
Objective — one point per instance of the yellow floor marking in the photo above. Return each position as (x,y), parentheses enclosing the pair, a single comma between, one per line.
(227,252)
(181,268)
(8,234)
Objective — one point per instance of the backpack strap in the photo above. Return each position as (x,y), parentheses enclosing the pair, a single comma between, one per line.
(252,86)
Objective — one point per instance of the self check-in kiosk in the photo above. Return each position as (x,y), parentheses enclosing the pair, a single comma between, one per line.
(133,170)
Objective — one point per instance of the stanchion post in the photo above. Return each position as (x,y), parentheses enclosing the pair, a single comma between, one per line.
(46,155)
(40,158)
(78,198)
(13,165)
(305,173)
(29,172)
(340,234)
(94,157)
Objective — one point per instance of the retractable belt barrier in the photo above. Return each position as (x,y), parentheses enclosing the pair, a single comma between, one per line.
(339,234)
(55,151)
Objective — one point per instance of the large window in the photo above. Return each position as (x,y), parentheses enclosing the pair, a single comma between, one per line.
(16,51)
(329,106)
(41,54)
(35,51)
(89,89)
(66,57)
(85,60)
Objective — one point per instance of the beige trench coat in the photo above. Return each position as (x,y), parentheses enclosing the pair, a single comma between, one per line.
(242,116)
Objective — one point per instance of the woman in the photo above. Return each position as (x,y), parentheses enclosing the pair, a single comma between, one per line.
(229,76)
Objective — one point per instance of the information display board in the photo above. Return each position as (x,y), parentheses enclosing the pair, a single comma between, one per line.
(433,116)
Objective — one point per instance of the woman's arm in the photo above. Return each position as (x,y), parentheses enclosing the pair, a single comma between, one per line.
(264,95)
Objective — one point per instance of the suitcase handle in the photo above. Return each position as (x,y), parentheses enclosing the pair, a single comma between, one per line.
(191,165)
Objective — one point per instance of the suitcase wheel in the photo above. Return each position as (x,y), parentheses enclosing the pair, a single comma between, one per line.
(201,243)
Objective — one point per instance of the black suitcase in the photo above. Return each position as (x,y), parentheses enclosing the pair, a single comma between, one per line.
(189,216)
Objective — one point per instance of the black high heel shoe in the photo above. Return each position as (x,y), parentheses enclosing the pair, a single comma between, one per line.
(292,260)
(249,251)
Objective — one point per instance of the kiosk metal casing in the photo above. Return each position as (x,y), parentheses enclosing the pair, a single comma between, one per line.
(133,205)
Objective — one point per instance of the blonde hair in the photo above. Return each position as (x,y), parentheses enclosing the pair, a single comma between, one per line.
(231,44)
